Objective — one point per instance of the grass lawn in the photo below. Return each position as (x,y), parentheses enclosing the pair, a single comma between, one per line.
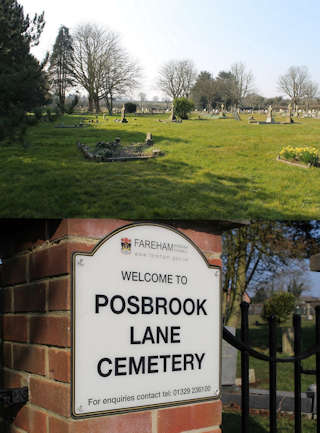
(258,338)
(231,423)
(212,169)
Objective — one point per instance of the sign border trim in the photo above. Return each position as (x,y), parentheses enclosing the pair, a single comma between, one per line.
(149,406)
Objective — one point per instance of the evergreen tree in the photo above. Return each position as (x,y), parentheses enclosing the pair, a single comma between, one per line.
(204,91)
(22,82)
(61,64)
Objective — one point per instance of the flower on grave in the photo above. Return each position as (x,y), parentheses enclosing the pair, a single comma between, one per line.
(308,155)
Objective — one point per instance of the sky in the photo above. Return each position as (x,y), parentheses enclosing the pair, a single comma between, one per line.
(268,36)
(315,284)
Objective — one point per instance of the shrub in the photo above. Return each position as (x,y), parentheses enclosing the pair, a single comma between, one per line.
(50,114)
(182,107)
(38,112)
(280,305)
(130,107)
(308,155)
(31,120)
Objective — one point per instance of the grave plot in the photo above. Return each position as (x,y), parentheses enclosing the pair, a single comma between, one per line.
(83,123)
(115,151)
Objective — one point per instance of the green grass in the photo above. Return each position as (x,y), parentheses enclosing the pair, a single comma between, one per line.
(212,169)
(231,423)
(258,338)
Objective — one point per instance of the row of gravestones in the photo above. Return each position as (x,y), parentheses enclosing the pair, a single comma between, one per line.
(222,114)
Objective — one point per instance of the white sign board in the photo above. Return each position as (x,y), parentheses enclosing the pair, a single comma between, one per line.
(146,323)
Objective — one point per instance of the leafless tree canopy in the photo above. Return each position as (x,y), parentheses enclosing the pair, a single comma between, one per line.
(243,82)
(101,66)
(296,84)
(176,78)
(120,75)
(311,90)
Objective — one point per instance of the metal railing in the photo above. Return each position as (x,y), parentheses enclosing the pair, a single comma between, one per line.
(242,344)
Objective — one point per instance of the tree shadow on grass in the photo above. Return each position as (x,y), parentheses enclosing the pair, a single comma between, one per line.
(231,423)
(154,188)
(93,135)
(172,185)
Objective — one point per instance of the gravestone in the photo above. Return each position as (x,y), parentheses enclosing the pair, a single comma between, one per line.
(149,140)
(287,341)
(222,113)
(172,117)
(229,361)
(269,115)
(236,113)
(290,115)
(123,114)
(251,118)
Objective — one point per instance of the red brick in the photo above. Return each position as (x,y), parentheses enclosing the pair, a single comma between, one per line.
(5,300)
(31,420)
(89,227)
(191,417)
(57,425)
(204,241)
(14,271)
(13,429)
(29,358)
(22,419)
(15,328)
(56,259)
(7,355)
(59,295)
(38,422)
(50,395)
(215,262)
(13,379)
(50,330)
(128,423)
(59,365)
(30,297)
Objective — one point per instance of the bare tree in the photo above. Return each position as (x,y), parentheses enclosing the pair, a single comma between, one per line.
(176,78)
(295,83)
(311,92)
(243,81)
(120,75)
(92,45)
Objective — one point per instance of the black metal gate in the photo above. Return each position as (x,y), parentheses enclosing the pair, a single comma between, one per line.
(246,351)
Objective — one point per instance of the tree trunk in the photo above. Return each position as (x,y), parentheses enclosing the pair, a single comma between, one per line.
(240,289)
(97,104)
(109,104)
(90,107)
(62,102)
(234,298)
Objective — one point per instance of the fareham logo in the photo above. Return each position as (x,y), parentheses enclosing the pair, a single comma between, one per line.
(126,245)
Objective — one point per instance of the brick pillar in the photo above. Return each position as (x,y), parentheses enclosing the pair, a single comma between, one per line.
(36,319)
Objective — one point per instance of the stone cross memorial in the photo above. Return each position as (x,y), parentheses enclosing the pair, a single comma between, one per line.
(269,115)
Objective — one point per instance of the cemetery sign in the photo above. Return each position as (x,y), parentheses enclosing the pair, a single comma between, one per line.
(146,323)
